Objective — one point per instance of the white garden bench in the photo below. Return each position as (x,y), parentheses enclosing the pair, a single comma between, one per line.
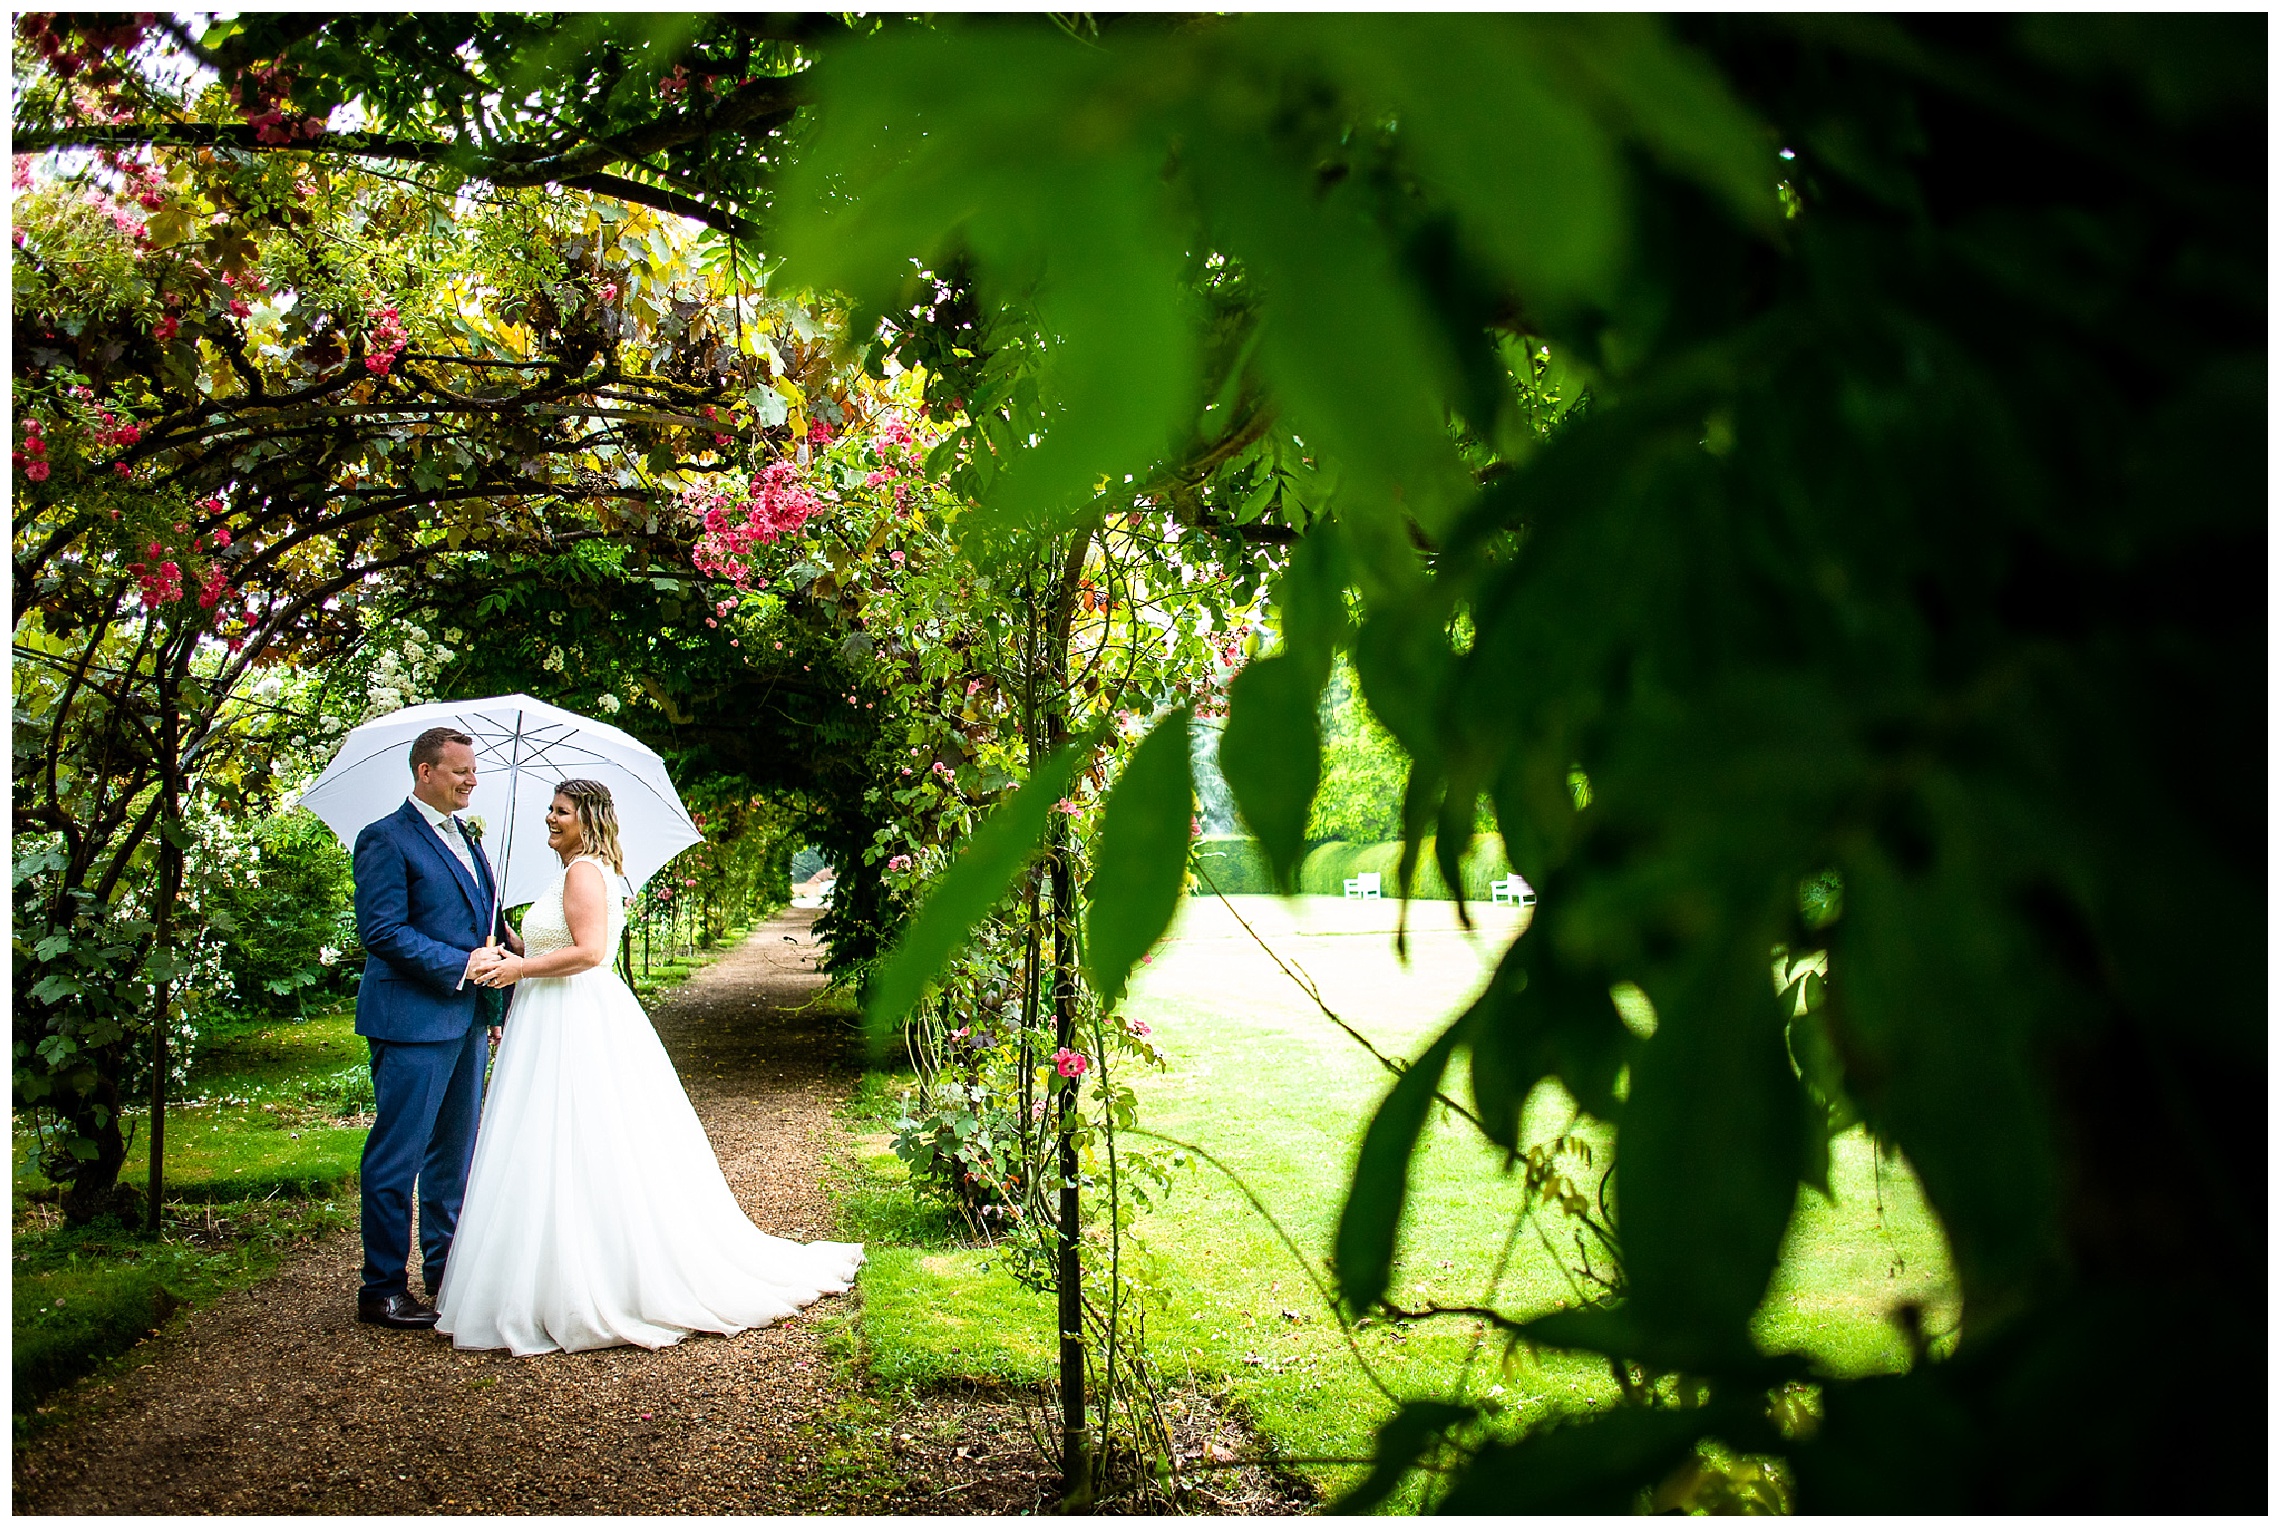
(1365,885)
(1513,890)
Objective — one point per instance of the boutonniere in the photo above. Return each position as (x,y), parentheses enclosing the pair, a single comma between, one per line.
(473,827)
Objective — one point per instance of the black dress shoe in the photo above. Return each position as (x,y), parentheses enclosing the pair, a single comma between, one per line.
(399,1310)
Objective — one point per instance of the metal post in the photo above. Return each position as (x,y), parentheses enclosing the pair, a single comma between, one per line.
(1069,1269)
(169,891)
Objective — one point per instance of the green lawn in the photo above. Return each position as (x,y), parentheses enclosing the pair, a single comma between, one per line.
(1259,1078)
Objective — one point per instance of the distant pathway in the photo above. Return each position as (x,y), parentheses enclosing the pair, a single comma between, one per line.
(276,1400)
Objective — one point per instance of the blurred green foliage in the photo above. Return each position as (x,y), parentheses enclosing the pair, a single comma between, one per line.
(1769,453)
(1762,448)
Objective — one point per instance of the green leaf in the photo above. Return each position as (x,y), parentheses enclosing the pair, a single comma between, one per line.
(1490,109)
(1713,1085)
(1271,754)
(1594,1466)
(929,140)
(1312,597)
(1896,1443)
(1350,350)
(1948,1073)
(1542,1016)
(52,988)
(999,847)
(1401,1439)
(1142,859)
(1370,1225)
(52,946)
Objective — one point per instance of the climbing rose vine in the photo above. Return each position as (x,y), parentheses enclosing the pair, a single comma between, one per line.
(776,504)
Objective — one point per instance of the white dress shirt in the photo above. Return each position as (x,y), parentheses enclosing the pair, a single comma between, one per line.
(447,828)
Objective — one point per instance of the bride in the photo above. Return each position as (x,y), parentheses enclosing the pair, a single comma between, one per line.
(596,1213)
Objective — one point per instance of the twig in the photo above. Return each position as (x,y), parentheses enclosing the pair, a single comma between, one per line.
(1485,1313)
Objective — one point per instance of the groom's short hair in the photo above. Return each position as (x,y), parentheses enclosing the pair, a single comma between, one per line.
(428,747)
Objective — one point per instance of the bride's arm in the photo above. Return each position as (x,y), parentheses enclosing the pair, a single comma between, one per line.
(586,909)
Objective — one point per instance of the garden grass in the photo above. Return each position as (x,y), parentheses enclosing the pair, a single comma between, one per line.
(1259,1078)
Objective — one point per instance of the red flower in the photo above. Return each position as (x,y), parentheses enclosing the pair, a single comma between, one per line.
(37,472)
(166,329)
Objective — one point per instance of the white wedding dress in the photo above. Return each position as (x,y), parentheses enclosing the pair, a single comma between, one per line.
(596,1214)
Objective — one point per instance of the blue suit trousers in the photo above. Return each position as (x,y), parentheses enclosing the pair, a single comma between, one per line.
(428,1097)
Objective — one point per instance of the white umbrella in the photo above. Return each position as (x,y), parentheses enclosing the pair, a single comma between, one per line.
(523,749)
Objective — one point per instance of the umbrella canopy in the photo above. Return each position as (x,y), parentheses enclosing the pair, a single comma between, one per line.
(523,749)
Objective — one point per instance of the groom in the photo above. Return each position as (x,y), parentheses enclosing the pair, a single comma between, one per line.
(423,906)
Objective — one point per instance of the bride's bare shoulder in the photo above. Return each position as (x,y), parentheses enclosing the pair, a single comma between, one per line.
(592,882)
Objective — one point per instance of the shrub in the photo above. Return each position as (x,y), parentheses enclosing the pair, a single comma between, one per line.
(283,913)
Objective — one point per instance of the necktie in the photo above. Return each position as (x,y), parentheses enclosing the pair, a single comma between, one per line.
(456,837)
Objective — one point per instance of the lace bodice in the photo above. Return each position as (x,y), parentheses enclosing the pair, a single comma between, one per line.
(545,927)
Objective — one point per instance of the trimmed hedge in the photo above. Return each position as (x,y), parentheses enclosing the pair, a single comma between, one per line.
(1236,865)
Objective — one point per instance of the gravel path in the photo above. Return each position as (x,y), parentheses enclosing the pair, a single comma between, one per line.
(276,1400)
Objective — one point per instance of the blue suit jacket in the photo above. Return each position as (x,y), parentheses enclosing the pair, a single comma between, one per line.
(419,913)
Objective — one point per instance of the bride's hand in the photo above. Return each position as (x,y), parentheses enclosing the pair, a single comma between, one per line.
(505,973)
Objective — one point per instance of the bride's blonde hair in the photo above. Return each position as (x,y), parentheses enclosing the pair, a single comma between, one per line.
(597,820)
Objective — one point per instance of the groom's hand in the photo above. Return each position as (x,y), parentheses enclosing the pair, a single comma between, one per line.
(479,961)
(514,941)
